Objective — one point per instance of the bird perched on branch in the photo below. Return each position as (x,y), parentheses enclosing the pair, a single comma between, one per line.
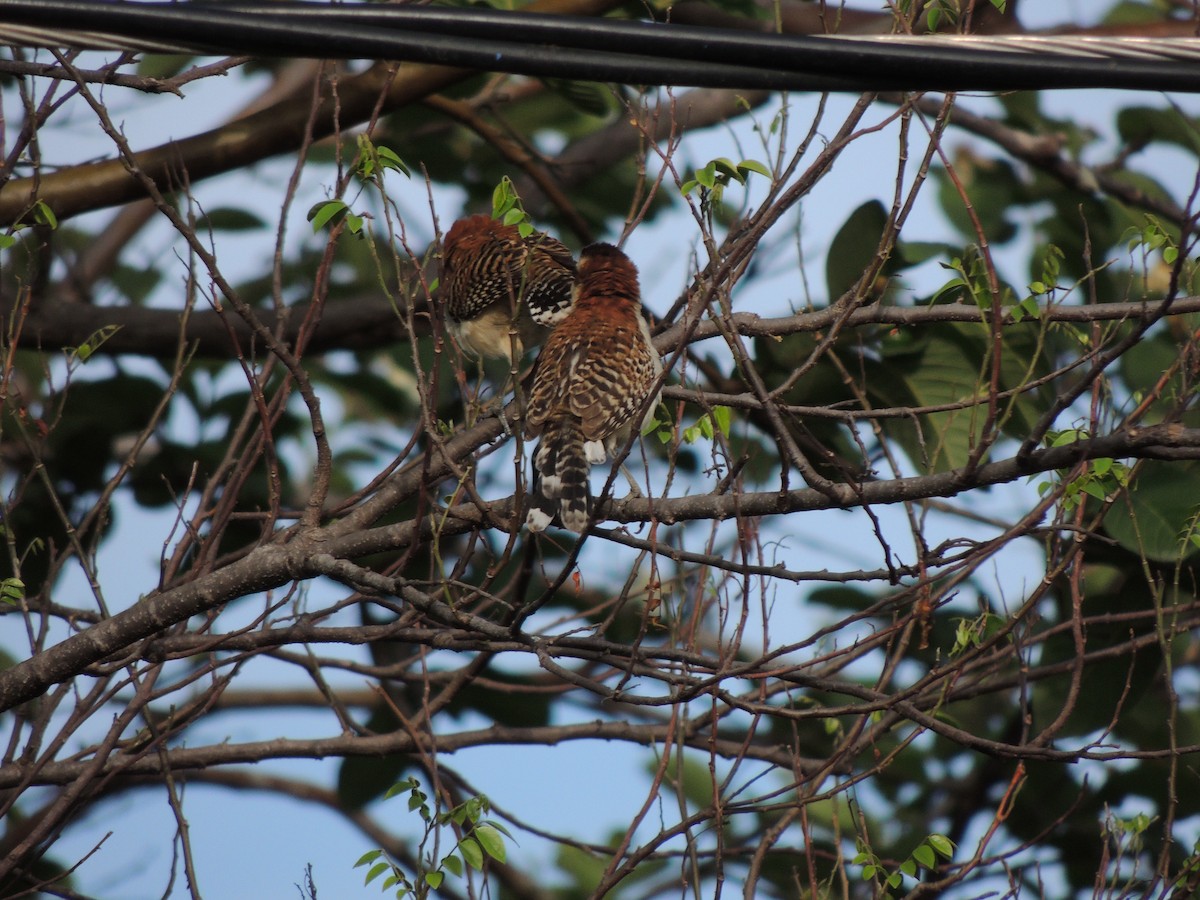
(592,387)
(503,292)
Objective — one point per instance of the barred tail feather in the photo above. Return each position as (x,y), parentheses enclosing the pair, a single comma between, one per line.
(560,480)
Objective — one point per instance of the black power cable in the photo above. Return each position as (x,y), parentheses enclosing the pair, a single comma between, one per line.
(583,48)
(291,29)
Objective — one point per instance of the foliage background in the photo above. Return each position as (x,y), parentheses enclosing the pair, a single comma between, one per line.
(999,648)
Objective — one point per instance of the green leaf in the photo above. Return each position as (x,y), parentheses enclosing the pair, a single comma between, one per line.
(707,176)
(492,842)
(502,200)
(230,218)
(400,787)
(854,247)
(1154,515)
(753,165)
(389,159)
(375,871)
(471,852)
(727,169)
(325,212)
(84,351)
(44,215)
(722,416)
(453,865)
(434,879)
(925,856)
(368,857)
(995,188)
(12,591)
(1142,125)
(942,844)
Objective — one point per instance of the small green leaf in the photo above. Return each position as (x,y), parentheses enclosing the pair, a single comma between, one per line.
(12,591)
(491,823)
(505,198)
(389,160)
(924,855)
(894,880)
(501,203)
(325,212)
(6,241)
(376,870)
(753,165)
(491,841)
(434,879)
(868,872)
(942,844)
(1029,308)
(44,215)
(84,351)
(727,171)
(722,416)
(686,188)
(471,852)
(453,865)
(230,218)
(399,788)
(707,176)
(908,867)
(368,857)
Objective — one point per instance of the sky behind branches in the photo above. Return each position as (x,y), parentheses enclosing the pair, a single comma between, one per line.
(257,844)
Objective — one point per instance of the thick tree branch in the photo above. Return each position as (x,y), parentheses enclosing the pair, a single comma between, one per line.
(368,323)
(179,760)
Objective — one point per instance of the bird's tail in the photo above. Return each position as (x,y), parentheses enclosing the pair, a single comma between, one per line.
(560,479)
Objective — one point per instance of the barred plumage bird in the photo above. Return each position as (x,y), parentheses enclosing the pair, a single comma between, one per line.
(591,388)
(502,292)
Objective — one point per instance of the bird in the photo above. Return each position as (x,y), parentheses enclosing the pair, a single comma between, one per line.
(503,292)
(592,386)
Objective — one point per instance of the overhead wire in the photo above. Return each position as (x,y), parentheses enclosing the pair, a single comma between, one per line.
(607,49)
